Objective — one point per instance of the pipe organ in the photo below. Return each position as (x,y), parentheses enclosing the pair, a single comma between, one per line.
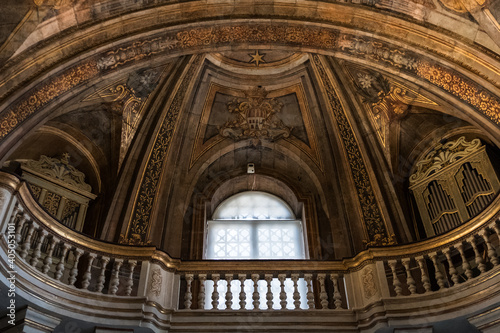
(453,183)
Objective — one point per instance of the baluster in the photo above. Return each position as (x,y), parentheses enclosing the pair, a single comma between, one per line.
(201,295)
(269,294)
(322,291)
(115,277)
(130,278)
(102,276)
(424,277)
(88,272)
(255,295)
(22,220)
(465,263)
(310,295)
(229,293)
(48,258)
(438,275)
(283,303)
(60,266)
(337,298)
(215,294)
(296,294)
(74,271)
(243,296)
(452,270)
(395,281)
(188,297)
(495,227)
(16,213)
(27,242)
(479,260)
(492,255)
(409,279)
(37,253)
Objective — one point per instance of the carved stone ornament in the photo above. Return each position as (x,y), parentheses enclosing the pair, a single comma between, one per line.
(443,155)
(134,239)
(156,282)
(256,118)
(59,169)
(368,281)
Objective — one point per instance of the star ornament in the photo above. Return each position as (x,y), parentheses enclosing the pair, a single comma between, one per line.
(257,58)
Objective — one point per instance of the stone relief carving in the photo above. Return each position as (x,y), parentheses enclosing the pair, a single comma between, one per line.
(256,118)
(369,285)
(156,282)
(443,155)
(59,169)
(140,220)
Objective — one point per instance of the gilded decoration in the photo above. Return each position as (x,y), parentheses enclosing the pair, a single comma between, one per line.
(290,35)
(466,90)
(372,215)
(70,208)
(443,155)
(141,214)
(44,93)
(368,280)
(256,118)
(51,202)
(59,169)
(386,100)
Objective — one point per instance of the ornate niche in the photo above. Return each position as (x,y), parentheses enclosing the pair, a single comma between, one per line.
(59,188)
(453,183)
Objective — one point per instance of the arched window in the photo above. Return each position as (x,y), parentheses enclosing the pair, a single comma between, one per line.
(254,225)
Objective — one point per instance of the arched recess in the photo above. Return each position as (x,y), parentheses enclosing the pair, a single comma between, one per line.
(63,143)
(94,61)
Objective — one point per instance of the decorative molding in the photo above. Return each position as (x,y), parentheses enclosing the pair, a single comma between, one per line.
(44,93)
(58,169)
(463,88)
(128,98)
(372,216)
(443,155)
(256,118)
(141,215)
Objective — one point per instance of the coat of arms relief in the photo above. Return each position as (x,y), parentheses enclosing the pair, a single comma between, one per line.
(256,118)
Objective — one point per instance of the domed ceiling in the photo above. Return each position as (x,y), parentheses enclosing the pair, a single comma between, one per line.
(163,105)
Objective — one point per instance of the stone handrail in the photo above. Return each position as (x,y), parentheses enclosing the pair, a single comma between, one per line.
(67,257)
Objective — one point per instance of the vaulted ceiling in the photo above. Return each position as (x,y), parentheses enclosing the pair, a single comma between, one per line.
(163,104)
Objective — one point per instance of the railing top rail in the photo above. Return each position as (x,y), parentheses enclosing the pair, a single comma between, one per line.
(20,189)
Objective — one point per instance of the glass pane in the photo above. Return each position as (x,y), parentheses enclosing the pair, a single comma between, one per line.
(253,205)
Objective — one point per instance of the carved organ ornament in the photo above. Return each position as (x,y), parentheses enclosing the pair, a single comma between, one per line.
(59,188)
(452,184)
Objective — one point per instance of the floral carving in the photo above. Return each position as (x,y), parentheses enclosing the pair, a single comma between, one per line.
(143,206)
(256,118)
(371,212)
(59,169)
(443,155)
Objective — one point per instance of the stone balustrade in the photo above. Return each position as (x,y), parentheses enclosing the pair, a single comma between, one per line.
(58,257)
